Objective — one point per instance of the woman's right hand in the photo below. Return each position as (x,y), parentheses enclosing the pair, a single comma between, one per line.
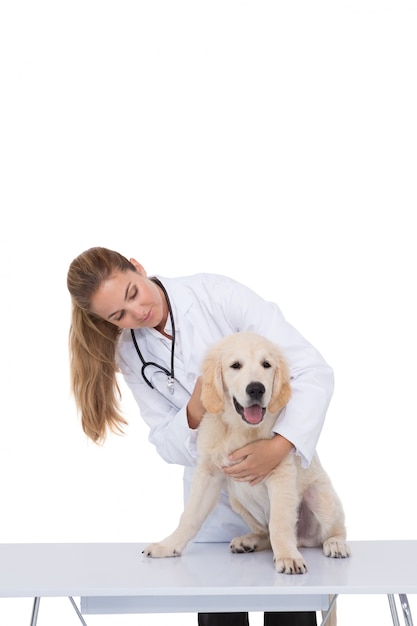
(195,409)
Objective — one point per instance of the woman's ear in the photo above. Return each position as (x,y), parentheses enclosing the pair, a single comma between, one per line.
(138,267)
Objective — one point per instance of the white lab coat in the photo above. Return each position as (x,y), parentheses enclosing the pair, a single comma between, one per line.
(207,307)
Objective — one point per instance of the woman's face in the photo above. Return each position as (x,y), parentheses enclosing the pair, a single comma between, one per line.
(131,300)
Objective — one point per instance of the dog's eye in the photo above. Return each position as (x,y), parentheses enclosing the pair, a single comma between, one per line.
(236,365)
(266,364)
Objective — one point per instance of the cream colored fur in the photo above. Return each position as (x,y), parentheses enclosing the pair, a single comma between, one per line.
(293,506)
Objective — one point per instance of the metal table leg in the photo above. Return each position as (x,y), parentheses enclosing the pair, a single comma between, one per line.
(35,612)
(326,615)
(406,610)
(76,609)
(394,614)
(408,620)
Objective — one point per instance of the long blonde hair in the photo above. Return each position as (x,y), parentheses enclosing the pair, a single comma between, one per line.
(92,344)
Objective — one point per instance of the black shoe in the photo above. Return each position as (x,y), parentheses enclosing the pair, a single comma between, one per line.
(223,619)
(284,618)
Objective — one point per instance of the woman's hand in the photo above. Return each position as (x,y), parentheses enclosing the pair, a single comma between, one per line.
(254,462)
(195,409)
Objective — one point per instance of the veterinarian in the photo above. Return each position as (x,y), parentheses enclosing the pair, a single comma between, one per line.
(156,331)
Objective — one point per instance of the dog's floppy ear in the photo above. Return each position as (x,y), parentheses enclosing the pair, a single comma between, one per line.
(281,390)
(212,395)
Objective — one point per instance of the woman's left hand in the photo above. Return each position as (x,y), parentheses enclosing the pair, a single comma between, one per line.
(254,462)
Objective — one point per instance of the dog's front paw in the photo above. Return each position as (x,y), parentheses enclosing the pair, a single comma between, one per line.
(161,550)
(290,565)
(336,548)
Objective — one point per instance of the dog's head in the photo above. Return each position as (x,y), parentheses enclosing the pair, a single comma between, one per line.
(248,372)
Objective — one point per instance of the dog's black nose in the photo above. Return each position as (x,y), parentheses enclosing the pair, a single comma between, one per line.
(255,391)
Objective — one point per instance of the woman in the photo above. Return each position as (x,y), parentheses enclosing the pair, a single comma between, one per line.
(156,331)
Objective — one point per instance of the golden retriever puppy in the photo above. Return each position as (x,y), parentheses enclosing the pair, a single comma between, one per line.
(245,385)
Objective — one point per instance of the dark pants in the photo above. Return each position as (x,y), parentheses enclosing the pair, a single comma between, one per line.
(284,618)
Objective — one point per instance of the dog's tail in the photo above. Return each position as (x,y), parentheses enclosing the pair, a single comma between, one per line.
(330,616)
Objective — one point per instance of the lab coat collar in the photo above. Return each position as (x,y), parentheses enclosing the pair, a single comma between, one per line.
(181,303)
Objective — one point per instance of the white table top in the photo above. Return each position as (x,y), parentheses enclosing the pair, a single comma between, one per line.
(120,569)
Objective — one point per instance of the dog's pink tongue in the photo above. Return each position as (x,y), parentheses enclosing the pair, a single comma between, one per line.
(253,414)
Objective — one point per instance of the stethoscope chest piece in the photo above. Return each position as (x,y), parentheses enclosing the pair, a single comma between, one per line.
(145,364)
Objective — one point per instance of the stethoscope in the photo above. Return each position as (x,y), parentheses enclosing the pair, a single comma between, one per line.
(145,364)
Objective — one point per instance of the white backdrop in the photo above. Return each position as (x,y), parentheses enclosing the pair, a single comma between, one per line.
(272,142)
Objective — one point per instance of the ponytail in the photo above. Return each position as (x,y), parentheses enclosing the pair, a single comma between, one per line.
(92,345)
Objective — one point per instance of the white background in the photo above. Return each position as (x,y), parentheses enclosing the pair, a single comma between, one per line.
(274,142)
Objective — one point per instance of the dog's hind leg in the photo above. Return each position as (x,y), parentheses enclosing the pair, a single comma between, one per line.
(255,541)
(324,503)
(252,542)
